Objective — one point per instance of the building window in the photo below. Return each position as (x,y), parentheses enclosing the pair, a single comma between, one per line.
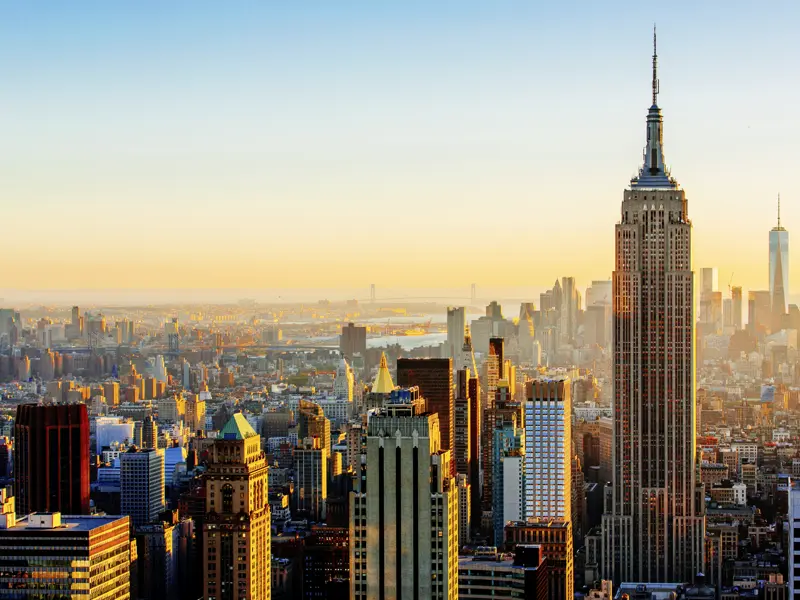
(227,498)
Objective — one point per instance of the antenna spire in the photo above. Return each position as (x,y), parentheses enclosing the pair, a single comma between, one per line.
(655,68)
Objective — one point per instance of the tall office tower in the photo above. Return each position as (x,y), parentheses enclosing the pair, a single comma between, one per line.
(656,529)
(404,520)
(6,454)
(326,563)
(526,332)
(507,491)
(462,449)
(570,307)
(464,505)
(195,413)
(493,366)
(548,444)
(311,478)
(710,318)
(727,314)
(163,551)
(172,409)
(68,556)
(599,292)
(141,477)
(51,459)
(709,280)
(466,357)
(149,432)
(736,307)
(778,270)
(476,452)
(236,528)
(173,335)
(47,366)
(353,340)
(186,374)
(759,312)
(312,423)
(344,382)
(434,377)
(456,327)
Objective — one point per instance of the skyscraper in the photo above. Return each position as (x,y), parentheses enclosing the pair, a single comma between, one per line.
(51,459)
(710,320)
(434,377)
(493,374)
(311,478)
(149,433)
(456,326)
(655,531)
(236,528)
(404,521)
(759,312)
(570,307)
(344,382)
(736,307)
(462,450)
(466,357)
(778,269)
(353,340)
(141,477)
(507,464)
(312,423)
(548,444)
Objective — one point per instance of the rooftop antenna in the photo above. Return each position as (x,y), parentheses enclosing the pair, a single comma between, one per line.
(655,67)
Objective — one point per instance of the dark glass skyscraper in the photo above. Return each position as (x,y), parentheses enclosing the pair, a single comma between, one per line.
(51,459)
(434,377)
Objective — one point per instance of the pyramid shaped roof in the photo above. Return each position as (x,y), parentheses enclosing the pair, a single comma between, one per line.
(383,383)
(237,428)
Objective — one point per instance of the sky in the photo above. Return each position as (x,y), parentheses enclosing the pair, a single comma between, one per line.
(262,145)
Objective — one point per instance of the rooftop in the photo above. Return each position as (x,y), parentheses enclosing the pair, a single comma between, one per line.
(69,523)
(383,380)
(237,428)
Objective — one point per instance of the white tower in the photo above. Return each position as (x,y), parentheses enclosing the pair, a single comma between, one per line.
(344,382)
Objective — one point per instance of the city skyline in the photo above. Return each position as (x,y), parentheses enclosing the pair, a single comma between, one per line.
(341,119)
(219,380)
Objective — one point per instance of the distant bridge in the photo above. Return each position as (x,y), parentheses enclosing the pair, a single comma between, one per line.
(283,347)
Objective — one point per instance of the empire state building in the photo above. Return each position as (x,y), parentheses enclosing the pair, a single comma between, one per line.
(654,526)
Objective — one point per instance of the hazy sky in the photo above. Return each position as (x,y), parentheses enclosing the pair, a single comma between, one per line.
(317,144)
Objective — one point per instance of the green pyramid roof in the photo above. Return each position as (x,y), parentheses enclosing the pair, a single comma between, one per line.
(237,428)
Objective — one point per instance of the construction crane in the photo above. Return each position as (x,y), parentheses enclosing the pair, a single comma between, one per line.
(730,281)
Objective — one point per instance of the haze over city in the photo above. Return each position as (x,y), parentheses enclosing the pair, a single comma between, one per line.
(181,146)
(399,301)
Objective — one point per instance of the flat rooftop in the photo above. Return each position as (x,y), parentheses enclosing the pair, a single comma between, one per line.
(69,523)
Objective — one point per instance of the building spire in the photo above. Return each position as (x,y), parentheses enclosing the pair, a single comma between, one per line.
(654,173)
(655,68)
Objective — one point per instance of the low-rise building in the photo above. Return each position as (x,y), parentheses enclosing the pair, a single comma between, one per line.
(489,573)
(86,555)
